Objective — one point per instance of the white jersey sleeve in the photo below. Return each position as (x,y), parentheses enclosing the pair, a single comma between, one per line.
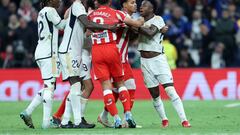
(158,22)
(154,43)
(78,9)
(54,17)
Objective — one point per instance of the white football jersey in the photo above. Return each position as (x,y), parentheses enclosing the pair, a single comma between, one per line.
(73,38)
(48,24)
(154,43)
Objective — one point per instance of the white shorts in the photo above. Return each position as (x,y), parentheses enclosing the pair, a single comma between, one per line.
(156,71)
(70,65)
(49,67)
(86,65)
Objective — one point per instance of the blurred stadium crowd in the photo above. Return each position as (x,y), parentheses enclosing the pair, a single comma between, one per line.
(202,33)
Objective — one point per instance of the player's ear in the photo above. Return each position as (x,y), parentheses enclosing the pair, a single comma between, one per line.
(124,4)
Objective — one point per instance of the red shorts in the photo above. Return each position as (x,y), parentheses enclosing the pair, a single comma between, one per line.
(107,63)
(128,74)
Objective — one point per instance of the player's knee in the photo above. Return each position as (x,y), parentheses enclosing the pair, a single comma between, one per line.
(47,94)
(50,84)
(154,92)
(171,92)
(74,79)
(75,89)
(130,84)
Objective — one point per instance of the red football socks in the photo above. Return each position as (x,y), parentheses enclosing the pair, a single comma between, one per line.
(132,97)
(109,102)
(124,98)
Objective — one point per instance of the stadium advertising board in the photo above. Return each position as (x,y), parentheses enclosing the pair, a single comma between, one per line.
(191,84)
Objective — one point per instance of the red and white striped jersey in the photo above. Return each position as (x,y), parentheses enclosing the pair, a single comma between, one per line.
(106,15)
(122,42)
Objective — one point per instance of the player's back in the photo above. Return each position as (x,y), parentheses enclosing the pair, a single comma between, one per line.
(105,15)
(74,31)
(47,33)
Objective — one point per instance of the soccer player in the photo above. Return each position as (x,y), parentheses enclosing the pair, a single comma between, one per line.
(86,90)
(46,57)
(106,59)
(154,63)
(70,53)
(85,75)
(129,7)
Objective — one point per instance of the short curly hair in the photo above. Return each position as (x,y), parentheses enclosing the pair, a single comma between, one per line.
(122,2)
(154,4)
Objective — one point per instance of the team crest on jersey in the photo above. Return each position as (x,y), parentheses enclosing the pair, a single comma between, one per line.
(41,15)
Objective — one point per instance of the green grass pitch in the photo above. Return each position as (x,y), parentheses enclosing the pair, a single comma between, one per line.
(206,117)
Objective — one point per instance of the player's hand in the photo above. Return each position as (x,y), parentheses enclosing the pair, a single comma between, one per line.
(66,14)
(88,33)
(141,19)
(164,29)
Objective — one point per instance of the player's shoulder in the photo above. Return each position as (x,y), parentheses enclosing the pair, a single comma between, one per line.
(157,17)
(77,3)
(46,11)
(121,12)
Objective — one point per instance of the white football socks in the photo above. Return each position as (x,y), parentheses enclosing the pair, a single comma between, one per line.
(176,101)
(47,107)
(104,115)
(159,107)
(83,105)
(67,112)
(75,102)
(37,100)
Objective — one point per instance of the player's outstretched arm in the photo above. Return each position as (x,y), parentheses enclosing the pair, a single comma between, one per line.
(95,26)
(134,23)
(148,31)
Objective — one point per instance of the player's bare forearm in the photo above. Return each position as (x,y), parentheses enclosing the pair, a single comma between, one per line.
(148,31)
(92,25)
(133,34)
(134,29)
(134,23)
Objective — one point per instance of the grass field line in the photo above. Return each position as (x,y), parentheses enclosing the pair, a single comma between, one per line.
(130,134)
(232,105)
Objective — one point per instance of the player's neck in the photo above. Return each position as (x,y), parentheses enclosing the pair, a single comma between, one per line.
(146,18)
(130,13)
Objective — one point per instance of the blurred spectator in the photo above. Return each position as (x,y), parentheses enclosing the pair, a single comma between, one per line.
(213,18)
(19,55)
(25,37)
(184,59)
(232,12)
(4,13)
(12,8)
(217,60)
(13,25)
(7,57)
(224,32)
(25,10)
(194,27)
(171,53)
(195,34)
(177,23)
(33,25)
(205,51)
